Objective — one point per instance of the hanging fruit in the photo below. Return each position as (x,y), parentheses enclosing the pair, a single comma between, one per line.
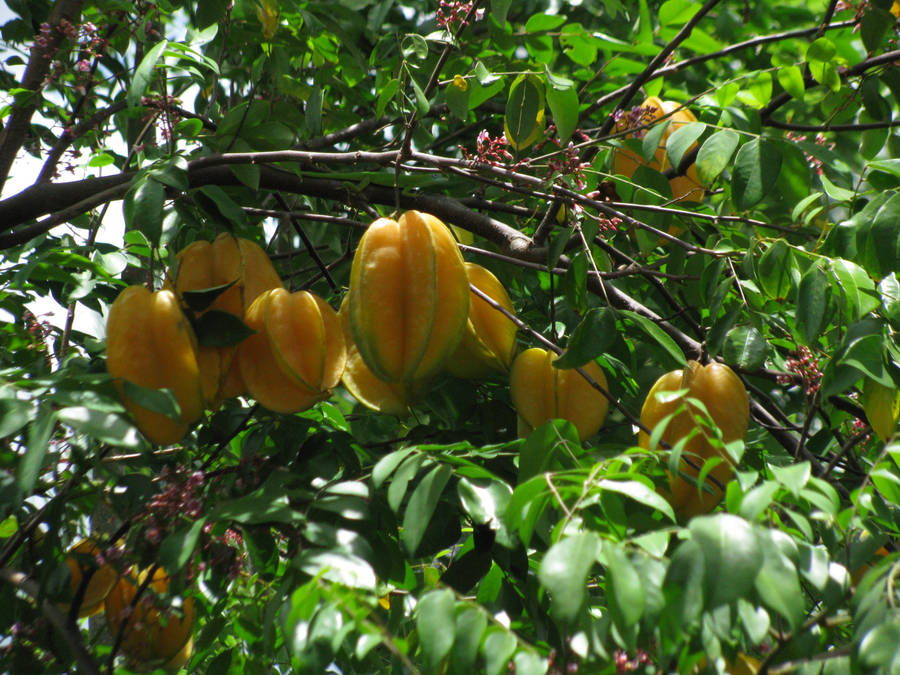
(151,636)
(541,392)
(390,398)
(725,398)
(150,342)
(409,297)
(206,265)
(297,354)
(625,161)
(489,341)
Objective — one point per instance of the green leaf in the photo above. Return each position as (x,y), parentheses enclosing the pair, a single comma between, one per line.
(484,500)
(729,543)
(714,155)
(458,100)
(627,592)
(470,627)
(216,201)
(216,328)
(838,194)
(639,492)
(386,95)
(106,427)
(529,663)
(14,414)
(758,91)
(143,208)
(341,568)
(524,109)
(564,571)
(422,504)
(144,73)
(178,547)
(436,624)
(564,108)
(593,336)
(891,166)
(659,335)
(161,401)
(746,348)
(681,140)
(499,647)
(387,464)
(794,477)
(260,506)
(540,450)
(812,302)
(200,299)
(889,288)
(756,170)
(422,105)
(857,289)
(32,461)
(791,79)
(544,22)
(777,582)
(499,8)
(773,272)
(880,647)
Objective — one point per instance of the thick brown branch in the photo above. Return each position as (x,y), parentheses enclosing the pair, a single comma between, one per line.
(13,135)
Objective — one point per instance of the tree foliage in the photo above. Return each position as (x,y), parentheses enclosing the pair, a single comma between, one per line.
(440,542)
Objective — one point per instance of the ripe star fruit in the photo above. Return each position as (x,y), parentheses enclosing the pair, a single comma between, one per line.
(152,636)
(297,354)
(390,398)
(625,161)
(408,302)
(541,392)
(226,260)
(882,407)
(80,560)
(150,342)
(725,398)
(489,341)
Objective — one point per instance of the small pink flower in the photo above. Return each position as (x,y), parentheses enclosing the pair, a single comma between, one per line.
(83,66)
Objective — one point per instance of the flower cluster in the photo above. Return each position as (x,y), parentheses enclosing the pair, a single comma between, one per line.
(624,664)
(488,149)
(813,162)
(570,164)
(636,117)
(181,498)
(453,13)
(806,367)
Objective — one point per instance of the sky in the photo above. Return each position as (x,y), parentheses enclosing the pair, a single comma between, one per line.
(26,167)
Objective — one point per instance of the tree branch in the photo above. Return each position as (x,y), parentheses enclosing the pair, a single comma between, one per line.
(13,135)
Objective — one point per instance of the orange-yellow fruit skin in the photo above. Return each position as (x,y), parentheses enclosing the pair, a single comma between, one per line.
(297,355)
(489,341)
(727,403)
(225,260)
(625,161)
(390,398)
(104,577)
(150,637)
(150,342)
(408,298)
(541,392)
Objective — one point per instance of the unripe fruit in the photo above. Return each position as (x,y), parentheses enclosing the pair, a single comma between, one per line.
(225,260)
(297,355)
(390,398)
(151,637)
(150,342)
(80,560)
(541,392)
(409,297)
(489,341)
(626,161)
(882,406)
(725,398)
